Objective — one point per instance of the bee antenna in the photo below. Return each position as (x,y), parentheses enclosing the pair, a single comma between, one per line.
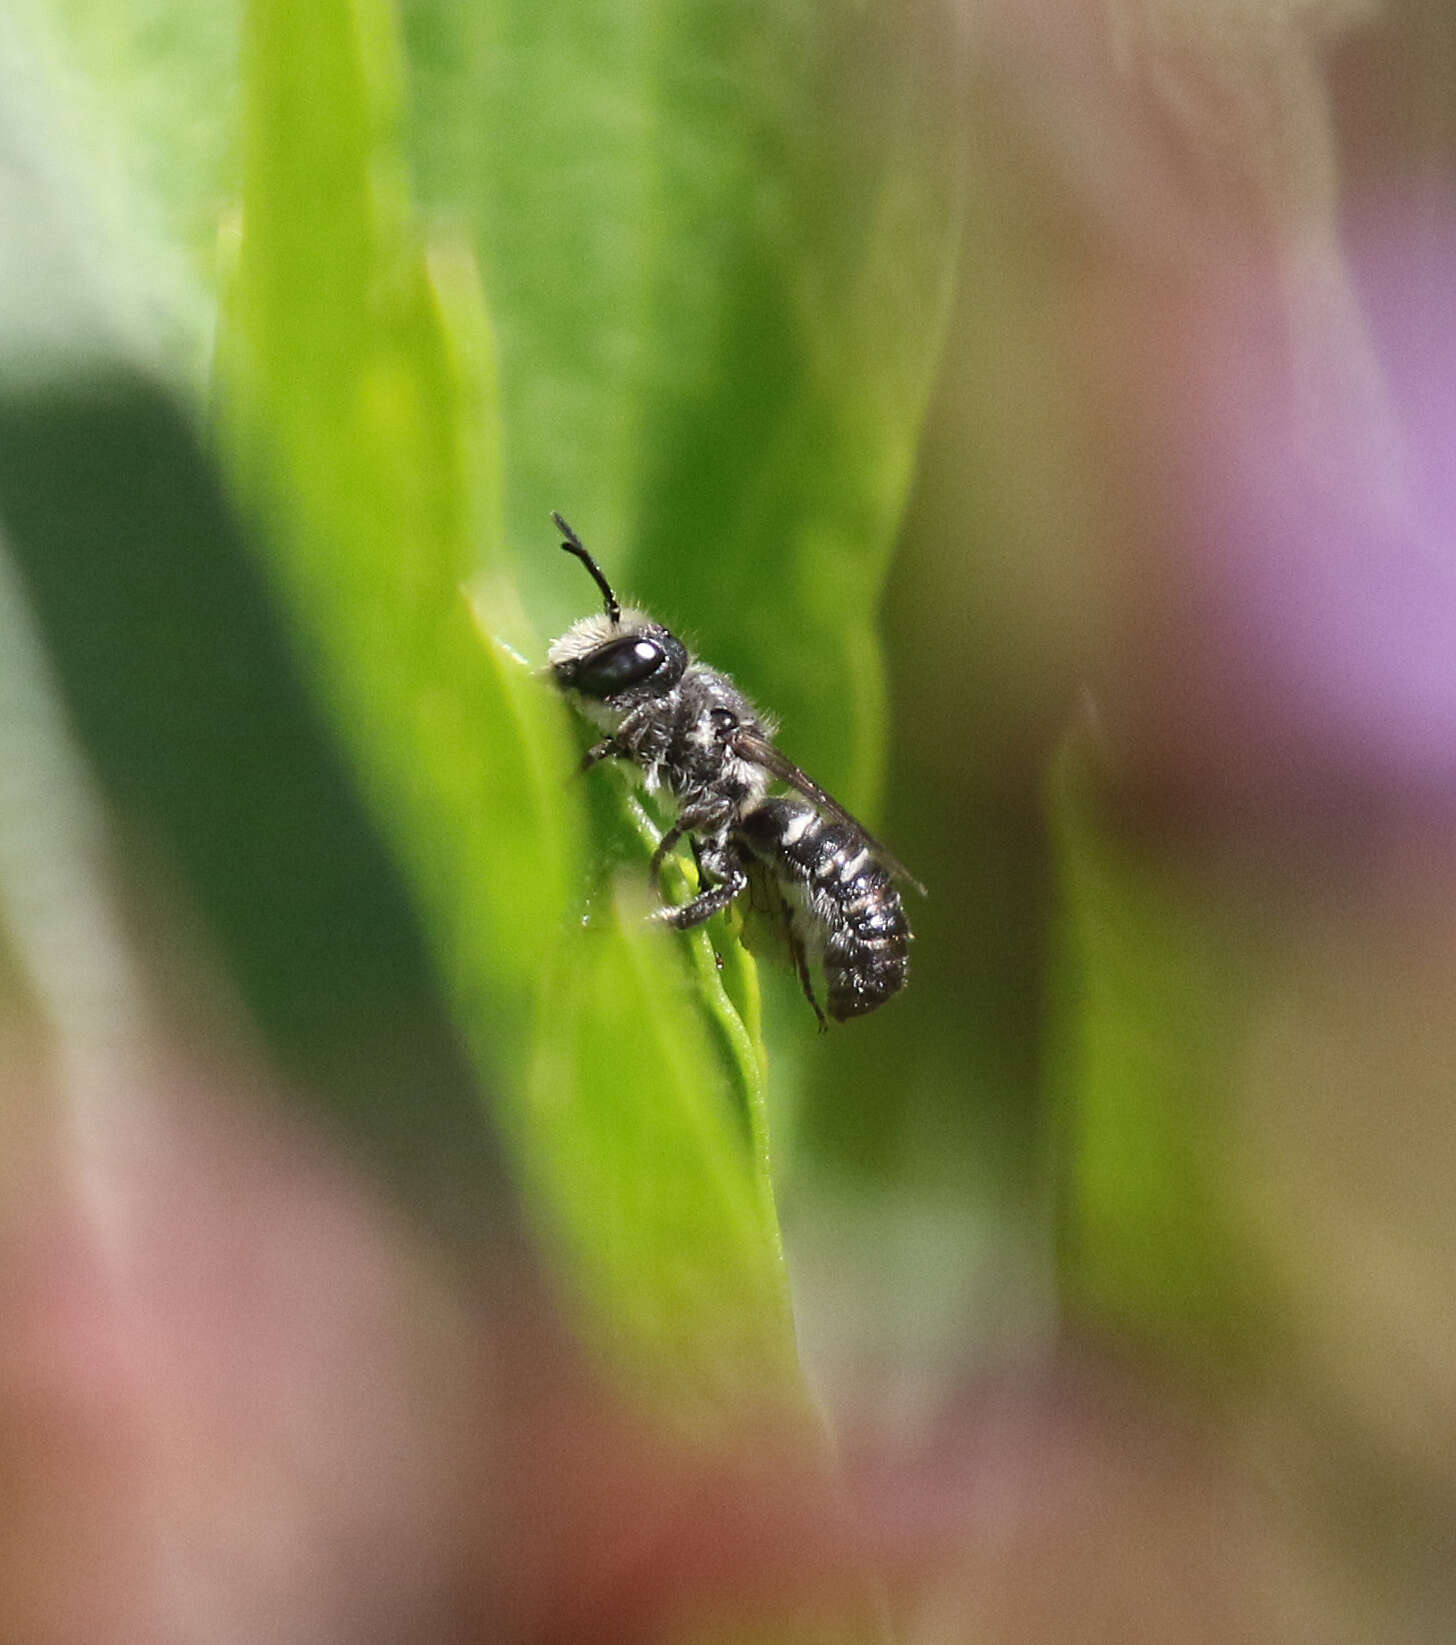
(574,545)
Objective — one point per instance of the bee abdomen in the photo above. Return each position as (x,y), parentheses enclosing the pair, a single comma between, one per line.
(845,903)
(860,978)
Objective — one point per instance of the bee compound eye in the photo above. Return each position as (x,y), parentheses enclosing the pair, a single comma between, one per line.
(618,665)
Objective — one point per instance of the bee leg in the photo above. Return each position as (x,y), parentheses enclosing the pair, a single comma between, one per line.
(705,857)
(607,749)
(664,845)
(707,903)
(806,982)
(712,900)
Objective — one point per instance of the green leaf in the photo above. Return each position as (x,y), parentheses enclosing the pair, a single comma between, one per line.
(360,388)
(363,407)
(722,250)
(631,1129)
(174,807)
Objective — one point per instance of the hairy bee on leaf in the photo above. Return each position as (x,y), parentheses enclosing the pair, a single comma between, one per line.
(698,741)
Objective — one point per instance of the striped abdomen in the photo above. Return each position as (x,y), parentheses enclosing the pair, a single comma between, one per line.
(843,906)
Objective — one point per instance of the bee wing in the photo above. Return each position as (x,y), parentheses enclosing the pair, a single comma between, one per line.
(749,745)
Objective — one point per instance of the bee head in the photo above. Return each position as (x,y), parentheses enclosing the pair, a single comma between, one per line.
(620,658)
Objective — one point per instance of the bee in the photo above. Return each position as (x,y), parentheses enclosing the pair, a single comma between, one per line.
(699,742)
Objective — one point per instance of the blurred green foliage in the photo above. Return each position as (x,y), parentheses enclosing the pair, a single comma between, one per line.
(310,315)
(680,271)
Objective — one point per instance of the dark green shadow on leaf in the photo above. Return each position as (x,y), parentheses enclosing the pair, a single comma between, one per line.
(190,706)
